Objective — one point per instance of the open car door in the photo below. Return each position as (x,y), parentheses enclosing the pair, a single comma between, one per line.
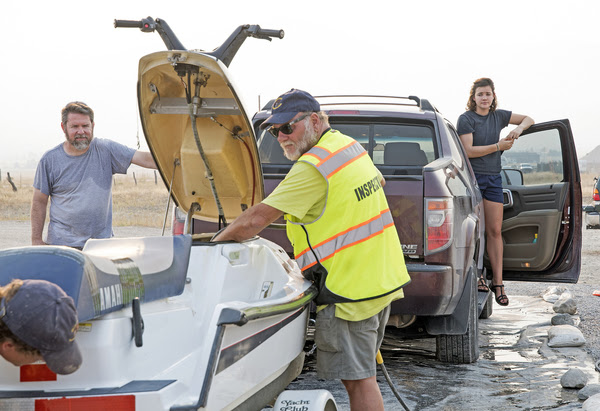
(541,230)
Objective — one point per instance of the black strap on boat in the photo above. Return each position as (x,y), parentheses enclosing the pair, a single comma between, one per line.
(318,275)
(194,106)
(310,246)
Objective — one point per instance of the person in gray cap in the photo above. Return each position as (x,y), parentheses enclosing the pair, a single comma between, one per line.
(344,239)
(38,321)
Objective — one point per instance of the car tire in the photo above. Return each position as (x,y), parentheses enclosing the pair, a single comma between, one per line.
(488,308)
(464,348)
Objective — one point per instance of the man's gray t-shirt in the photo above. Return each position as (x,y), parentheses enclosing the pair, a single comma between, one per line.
(486,131)
(80,190)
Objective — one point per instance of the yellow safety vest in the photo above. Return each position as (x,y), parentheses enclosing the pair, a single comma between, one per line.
(354,238)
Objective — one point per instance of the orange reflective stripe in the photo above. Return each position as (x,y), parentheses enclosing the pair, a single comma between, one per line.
(387,210)
(309,154)
(347,238)
(336,152)
(318,152)
(340,158)
(346,164)
(333,237)
(327,257)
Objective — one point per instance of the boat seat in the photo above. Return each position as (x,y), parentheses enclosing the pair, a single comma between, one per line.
(108,273)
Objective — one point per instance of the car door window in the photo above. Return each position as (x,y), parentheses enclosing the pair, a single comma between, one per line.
(538,156)
(359,132)
(403,144)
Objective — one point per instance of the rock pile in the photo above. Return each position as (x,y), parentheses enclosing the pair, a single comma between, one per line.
(564,333)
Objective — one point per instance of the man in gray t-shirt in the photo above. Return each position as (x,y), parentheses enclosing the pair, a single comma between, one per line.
(77,176)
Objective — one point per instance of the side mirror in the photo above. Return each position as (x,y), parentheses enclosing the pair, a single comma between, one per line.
(511,177)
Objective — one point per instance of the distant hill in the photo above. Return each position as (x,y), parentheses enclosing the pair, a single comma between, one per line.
(590,163)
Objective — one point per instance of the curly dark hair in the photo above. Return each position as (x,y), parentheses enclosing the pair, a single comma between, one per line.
(7,292)
(481,82)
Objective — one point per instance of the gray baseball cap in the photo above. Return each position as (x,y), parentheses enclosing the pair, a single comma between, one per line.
(43,316)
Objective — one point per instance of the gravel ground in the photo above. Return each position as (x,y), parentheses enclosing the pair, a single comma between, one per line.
(588,305)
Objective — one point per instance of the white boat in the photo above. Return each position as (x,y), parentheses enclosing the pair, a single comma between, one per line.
(177,322)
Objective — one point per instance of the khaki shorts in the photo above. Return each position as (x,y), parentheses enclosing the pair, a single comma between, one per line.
(346,350)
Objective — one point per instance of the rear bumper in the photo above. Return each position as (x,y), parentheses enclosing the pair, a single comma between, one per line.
(430,292)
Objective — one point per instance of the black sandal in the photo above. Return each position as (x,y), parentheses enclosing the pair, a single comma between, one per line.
(482,286)
(501,297)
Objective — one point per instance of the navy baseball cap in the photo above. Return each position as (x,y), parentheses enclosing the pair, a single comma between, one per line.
(43,316)
(289,104)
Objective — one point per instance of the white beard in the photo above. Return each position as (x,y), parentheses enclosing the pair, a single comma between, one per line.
(309,139)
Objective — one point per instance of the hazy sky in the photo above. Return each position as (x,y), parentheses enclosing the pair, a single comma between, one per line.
(543,56)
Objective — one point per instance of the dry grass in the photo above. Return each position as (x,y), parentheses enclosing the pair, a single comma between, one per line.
(15,205)
(587,187)
(143,204)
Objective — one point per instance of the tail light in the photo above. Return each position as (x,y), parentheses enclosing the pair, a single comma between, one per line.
(113,402)
(178,222)
(596,195)
(36,372)
(117,402)
(439,217)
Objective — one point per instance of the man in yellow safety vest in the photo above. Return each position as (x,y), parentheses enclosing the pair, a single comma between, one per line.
(344,239)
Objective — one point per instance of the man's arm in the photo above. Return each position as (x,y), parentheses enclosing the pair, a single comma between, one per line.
(250,223)
(143,159)
(38,216)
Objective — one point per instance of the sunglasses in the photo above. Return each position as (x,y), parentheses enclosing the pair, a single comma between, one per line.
(287,127)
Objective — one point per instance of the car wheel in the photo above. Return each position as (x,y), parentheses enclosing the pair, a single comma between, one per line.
(462,349)
(488,308)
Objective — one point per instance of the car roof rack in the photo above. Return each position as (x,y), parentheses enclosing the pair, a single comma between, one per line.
(423,104)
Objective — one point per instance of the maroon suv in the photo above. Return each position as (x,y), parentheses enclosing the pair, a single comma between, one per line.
(438,212)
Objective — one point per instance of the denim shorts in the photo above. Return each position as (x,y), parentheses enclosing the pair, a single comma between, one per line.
(490,187)
(346,350)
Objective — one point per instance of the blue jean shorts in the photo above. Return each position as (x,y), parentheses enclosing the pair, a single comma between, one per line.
(490,187)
